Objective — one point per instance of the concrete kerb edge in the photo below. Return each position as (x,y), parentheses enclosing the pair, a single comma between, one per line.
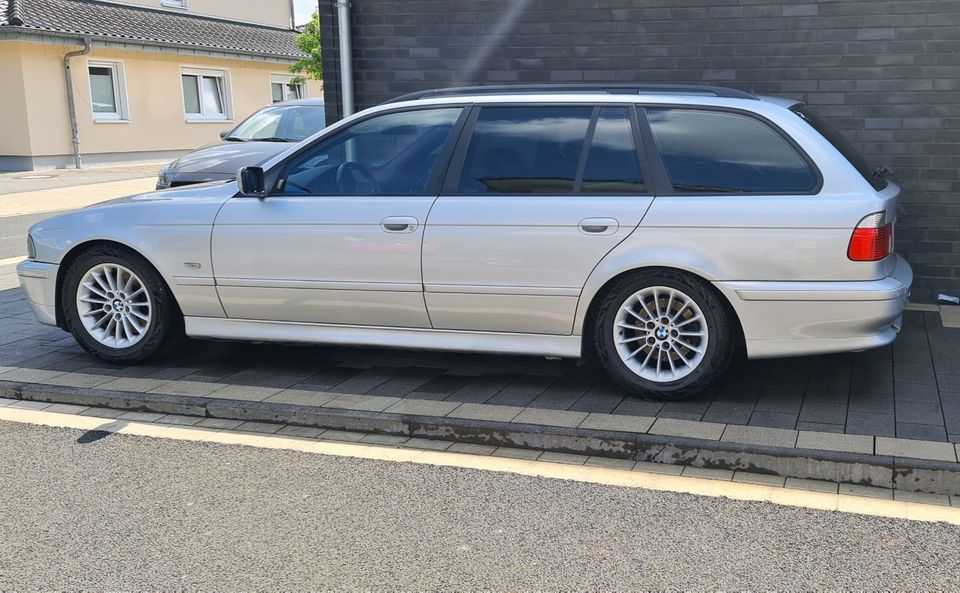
(853,468)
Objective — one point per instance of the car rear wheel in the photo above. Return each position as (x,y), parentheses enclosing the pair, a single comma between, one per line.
(663,335)
(118,307)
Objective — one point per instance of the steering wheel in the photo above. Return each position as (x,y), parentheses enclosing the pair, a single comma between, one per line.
(356,186)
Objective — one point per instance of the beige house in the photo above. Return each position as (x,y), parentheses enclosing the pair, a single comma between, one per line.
(150,79)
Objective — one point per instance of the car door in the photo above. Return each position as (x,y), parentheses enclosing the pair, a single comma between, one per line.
(537,195)
(338,239)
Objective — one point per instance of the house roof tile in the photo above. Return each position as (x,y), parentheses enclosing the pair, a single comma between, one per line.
(102,19)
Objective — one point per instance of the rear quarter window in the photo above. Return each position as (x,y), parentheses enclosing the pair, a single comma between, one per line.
(711,152)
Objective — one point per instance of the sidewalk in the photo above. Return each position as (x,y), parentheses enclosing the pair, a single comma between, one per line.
(52,191)
(888,417)
(27,181)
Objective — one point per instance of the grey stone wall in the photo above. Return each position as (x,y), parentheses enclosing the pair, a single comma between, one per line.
(886,73)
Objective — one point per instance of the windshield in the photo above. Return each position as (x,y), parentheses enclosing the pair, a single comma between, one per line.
(846,148)
(280,123)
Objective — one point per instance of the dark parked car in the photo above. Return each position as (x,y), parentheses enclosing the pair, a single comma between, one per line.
(266,133)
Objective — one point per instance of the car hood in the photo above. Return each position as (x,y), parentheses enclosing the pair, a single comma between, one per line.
(227,157)
(137,221)
(166,201)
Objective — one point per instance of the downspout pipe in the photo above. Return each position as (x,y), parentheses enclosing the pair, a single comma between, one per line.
(71,100)
(346,57)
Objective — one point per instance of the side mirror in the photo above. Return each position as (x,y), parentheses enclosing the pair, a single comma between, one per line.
(251,182)
(224,134)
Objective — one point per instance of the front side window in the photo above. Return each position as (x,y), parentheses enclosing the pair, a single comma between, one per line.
(525,150)
(394,153)
(205,94)
(711,152)
(107,97)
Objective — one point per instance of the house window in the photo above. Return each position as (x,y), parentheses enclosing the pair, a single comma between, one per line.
(174,3)
(107,91)
(282,88)
(206,94)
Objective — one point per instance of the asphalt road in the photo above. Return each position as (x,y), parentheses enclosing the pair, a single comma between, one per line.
(128,514)
(13,233)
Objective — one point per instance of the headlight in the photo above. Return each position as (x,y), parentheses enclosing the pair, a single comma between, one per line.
(31,248)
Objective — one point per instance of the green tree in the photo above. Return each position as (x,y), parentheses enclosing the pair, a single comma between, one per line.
(310,65)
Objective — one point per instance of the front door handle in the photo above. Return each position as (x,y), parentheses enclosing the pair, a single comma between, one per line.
(598,226)
(399,224)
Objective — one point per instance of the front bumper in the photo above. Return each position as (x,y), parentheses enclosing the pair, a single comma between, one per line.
(39,283)
(802,318)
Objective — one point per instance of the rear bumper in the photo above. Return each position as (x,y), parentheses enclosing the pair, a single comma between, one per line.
(800,318)
(39,283)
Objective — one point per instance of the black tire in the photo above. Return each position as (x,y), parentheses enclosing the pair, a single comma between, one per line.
(720,326)
(165,329)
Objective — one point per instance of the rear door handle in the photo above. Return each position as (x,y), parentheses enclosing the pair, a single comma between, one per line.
(598,226)
(399,224)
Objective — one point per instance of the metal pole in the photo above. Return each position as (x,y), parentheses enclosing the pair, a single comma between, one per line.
(71,102)
(346,57)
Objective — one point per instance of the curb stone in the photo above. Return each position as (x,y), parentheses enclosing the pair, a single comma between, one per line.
(936,477)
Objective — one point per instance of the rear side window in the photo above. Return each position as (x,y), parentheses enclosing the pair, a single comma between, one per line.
(613,166)
(844,146)
(525,150)
(709,152)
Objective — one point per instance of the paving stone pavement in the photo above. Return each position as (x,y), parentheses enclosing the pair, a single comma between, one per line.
(910,390)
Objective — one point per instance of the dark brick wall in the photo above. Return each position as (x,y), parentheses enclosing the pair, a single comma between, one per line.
(886,73)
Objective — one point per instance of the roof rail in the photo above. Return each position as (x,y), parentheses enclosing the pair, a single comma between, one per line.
(613,89)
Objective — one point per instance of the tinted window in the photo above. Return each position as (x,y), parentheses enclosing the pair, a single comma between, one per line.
(394,153)
(291,123)
(612,163)
(846,148)
(525,150)
(722,152)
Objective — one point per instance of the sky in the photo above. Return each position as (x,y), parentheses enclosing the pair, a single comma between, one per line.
(303,10)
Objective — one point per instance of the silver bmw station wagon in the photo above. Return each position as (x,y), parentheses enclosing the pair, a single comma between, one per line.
(659,228)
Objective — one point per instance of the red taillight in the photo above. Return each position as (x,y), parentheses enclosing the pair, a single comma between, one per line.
(872,240)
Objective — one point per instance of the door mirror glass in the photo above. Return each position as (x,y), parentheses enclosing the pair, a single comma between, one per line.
(251,182)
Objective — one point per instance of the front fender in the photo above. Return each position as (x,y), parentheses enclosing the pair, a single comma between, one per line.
(171,230)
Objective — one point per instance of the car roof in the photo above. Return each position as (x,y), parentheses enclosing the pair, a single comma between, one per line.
(300,102)
(605,89)
(681,94)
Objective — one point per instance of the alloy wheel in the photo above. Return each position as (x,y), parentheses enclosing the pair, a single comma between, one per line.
(114,305)
(660,334)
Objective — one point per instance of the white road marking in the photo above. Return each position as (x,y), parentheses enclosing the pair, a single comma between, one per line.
(896,509)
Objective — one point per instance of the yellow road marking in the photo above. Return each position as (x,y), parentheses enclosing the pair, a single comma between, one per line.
(896,509)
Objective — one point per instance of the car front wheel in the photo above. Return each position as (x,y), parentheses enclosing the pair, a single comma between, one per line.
(663,335)
(118,307)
